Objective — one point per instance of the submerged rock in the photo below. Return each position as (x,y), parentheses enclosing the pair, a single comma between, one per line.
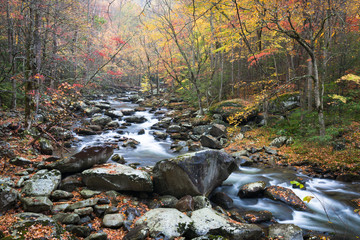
(86,158)
(117,177)
(192,174)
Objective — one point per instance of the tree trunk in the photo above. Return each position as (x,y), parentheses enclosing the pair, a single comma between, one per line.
(318,98)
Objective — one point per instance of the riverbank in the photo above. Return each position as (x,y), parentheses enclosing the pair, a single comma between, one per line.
(128,207)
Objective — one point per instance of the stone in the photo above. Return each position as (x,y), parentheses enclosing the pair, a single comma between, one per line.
(79,231)
(285,232)
(67,218)
(97,236)
(71,182)
(169,222)
(87,193)
(42,183)
(280,141)
(208,221)
(59,208)
(20,161)
(201,202)
(84,131)
(210,142)
(8,197)
(84,159)
(112,124)
(286,196)
(36,204)
(193,173)
(218,130)
(270,150)
(119,159)
(139,232)
(117,177)
(174,129)
(141,132)
(115,220)
(130,142)
(60,194)
(100,120)
(202,129)
(92,110)
(252,190)
(82,204)
(45,147)
(185,204)
(223,200)
(160,135)
(101,209)
(257,216)
(135,119)
(114,114)
(168,201)
(128,112)
(61,133)
(84,211)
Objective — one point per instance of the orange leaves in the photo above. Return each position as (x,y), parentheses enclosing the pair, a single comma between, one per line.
(256,57)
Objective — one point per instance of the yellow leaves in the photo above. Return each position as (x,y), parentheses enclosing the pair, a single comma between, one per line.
(338,97)
(350,77)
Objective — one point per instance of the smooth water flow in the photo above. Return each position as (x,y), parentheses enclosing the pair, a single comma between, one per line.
(330,209)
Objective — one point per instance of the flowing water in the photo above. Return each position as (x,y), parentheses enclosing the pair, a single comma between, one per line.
(330,208)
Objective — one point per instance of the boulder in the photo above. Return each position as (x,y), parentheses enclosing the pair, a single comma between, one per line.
(83,204)
(192,174)
(201,202)
(286,196)
(71,182)
(61,133)
(174,129)
(84,131)
(103,105)
(160,135)
(185,204)
(139,232)
(202,129)
(100,120)
(112,124)
(84,159)
(168,222)
(97,236)
(251,190)
(67,218)
(60,194)
(42,183)
(45,147)
(128,112)
(285,232)
(117,177)
(257,216)
(280,141)
(79,231)
(218,130)
(92,110)
(168,201)
(210,142)
(20,161)
(208,221)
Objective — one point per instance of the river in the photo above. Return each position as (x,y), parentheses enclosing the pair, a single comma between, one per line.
(330,208)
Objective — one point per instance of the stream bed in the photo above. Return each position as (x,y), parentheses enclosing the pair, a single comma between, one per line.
(330,206)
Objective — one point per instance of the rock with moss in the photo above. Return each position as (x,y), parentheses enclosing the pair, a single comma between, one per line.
(42,183)
(168,222)
(36,204)
(285,232)
(192,174)
(46,147)
(117,177)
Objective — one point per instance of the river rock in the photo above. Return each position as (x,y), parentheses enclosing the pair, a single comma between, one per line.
(135,119)
(286,196)
(83,204)
(168,201)
(139,232)
(36,204)
(193,173)
(45,147)
(84,211)
(92,110)
(100,120)
(208,221)
(251,190)
(61,133)
(160,135)
(210,142)
(117,177)
(257,216)
(218,130)
(185,204)
(201,202)
(115,220)
(60,194)
(97,236)
(42,183)
(223,200)
(20,161)
(174,129)
(67,218)
(71,182)
(114,114)
(202,129)
(59,208)
(79,231)
(128,112)
(8,197)
(285,232)
(103,105)
(169,222)
(84,159)
(85,131)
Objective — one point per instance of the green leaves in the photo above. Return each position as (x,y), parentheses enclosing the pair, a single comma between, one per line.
(300,185)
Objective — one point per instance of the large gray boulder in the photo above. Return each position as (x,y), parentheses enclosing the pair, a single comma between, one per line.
(192,174)
(100,120)
(36,204)
(42,183)
(210,142)
(169,222)
(86,158)
(8,196)
(117,177)
(207,221)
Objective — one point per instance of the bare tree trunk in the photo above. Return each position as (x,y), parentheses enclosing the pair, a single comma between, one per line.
(318,97)
(221,76)
(10,34)
(309,86)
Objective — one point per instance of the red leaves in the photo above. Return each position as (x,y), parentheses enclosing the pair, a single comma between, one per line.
(265,53)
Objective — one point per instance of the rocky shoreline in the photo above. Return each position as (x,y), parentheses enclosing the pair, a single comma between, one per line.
(82,196)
